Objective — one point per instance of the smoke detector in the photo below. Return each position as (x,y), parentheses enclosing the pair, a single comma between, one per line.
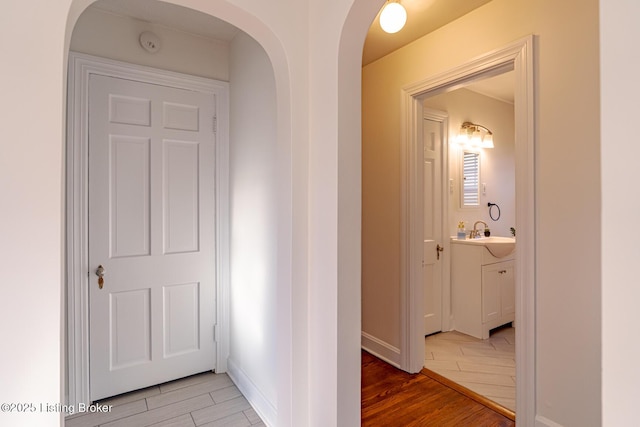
(150,42)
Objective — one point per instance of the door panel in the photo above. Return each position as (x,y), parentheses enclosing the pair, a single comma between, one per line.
(129,110)
(508,288)
(490,293)
(432,225)
(181,312)
(151,226)
(129,196)
(180,198)
(130,331)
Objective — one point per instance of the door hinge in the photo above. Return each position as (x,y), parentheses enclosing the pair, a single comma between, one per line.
(215,332)
(215,124)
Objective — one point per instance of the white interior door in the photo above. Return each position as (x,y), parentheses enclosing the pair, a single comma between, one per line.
(432,228)
(151,227)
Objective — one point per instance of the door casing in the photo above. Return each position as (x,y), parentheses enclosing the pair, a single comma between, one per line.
(81,67)
(518,57)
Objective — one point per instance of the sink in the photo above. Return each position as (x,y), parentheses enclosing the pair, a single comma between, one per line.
(498,246)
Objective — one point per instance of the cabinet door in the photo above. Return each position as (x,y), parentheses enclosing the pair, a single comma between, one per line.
(490,293)
(507,277)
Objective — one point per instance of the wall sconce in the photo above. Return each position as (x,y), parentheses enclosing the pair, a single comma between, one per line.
(474,136)
(393,17)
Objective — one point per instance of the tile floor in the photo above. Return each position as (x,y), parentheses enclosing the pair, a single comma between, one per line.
(209,400)
(487,367)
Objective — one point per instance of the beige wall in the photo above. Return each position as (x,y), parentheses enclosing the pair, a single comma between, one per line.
(443,49)
(497,165)
(568,270)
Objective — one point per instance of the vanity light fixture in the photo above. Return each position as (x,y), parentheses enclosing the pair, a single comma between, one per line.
(393,17)
(474,136)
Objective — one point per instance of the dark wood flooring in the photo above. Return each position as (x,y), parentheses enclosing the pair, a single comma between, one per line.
(391,397)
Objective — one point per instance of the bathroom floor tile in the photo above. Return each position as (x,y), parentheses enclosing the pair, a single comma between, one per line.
(486,367)
(205,399)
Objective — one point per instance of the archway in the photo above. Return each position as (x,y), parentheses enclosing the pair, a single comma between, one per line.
(280,283)
(392,120)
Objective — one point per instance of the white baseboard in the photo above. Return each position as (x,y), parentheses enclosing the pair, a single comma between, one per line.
(545,422)
(257,400)
(381,349)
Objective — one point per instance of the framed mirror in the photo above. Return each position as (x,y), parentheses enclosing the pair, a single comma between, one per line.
(470,179)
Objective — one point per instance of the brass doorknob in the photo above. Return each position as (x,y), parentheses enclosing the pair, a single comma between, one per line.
(100,274)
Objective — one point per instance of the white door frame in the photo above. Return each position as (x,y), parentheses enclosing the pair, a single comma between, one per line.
(517,56)
(81,67)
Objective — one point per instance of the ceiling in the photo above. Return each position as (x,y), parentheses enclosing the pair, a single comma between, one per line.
(172,16)
(423,17)
(501,87)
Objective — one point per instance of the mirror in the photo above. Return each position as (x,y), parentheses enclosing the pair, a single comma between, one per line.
(470,180)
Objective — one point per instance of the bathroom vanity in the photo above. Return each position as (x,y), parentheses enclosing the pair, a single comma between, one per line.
(482,284)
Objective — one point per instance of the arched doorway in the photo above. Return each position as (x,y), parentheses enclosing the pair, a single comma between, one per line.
(270,325)
(395,131)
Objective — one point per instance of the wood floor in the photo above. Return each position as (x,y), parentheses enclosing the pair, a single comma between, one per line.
(394,398)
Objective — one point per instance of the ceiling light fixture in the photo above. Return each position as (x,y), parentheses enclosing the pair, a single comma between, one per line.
(393,17)
(474,136)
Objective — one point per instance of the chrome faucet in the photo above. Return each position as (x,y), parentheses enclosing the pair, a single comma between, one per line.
(475,233)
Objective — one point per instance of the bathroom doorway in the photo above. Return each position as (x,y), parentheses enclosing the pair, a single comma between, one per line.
(516,58)
(460,349)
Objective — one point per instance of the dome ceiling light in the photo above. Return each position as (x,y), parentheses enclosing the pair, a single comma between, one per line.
(393,17)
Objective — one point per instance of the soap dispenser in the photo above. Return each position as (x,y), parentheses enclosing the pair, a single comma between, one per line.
(461,233)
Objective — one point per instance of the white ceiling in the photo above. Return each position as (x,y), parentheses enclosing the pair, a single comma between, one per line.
(423,17)
(172,16)
(501,87)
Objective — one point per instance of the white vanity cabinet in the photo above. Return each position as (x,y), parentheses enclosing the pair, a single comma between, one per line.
(482,289)
(498,294)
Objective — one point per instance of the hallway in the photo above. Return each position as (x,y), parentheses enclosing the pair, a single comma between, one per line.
(390,397)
